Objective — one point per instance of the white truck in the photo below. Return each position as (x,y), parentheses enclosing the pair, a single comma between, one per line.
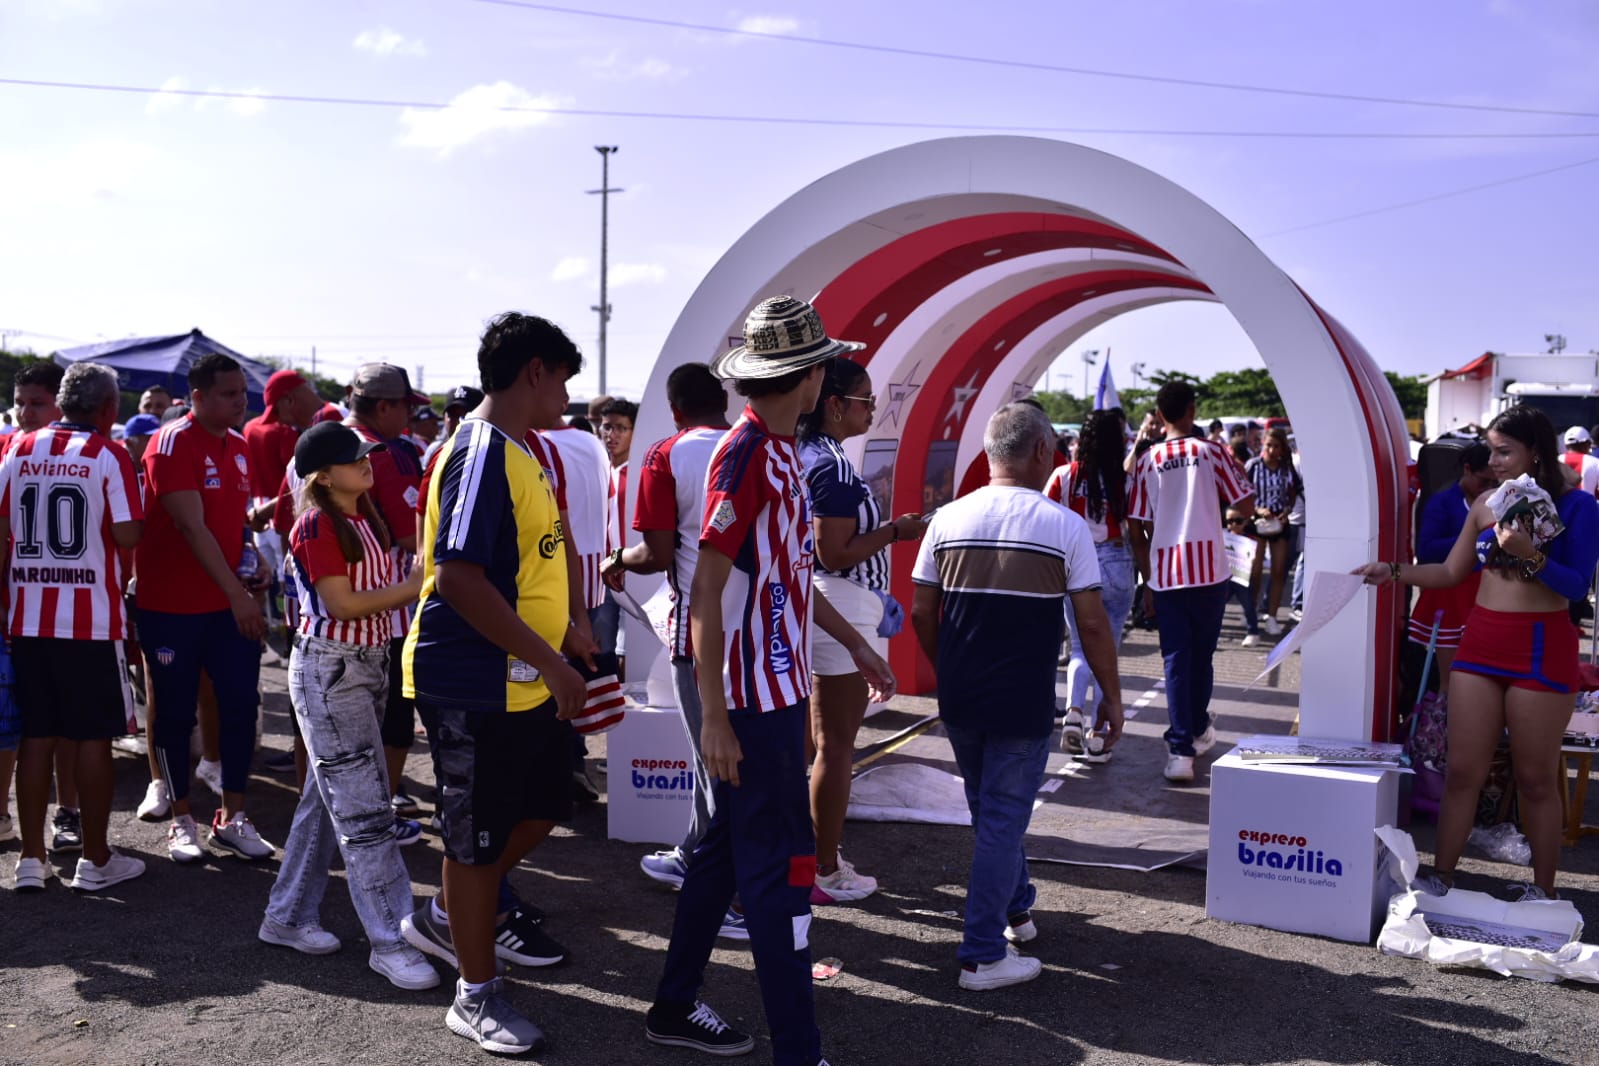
(1564,386)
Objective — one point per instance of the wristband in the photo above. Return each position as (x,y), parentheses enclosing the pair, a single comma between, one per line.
(1393,572)
(616,560)
(893,533)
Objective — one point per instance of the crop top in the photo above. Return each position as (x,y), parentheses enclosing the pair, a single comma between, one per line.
(1571,556)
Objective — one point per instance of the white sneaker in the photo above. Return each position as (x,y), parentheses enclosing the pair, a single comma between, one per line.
(183,840)
(1013,969)
(238,835)
(1179,768)
(1206,740)
(210,775)
(405,967)
(306,939)
(843,885)
(117,869)
(1071,732)
(32,874)
(1272,627)
(1093,749)
(1250,640)
(8,827)
(157,802)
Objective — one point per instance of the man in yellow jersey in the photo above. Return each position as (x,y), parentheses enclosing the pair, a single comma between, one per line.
(482,661)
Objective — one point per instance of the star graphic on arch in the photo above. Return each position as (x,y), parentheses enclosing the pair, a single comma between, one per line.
(963,395)
(898,394)
(1019,391)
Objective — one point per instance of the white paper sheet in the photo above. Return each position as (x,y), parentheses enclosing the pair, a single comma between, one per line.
(1327,594)
(1240,556)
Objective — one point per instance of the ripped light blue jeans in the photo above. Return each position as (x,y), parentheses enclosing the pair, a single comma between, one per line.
(339,691)
(1117,581)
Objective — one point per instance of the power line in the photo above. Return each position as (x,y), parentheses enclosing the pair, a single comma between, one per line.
(780,120)
(1019,64)
(1434,198)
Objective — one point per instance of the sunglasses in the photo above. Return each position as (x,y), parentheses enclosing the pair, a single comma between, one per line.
(870,401)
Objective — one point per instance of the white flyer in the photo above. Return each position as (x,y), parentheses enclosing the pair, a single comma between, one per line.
(1327,594)
(1240,556)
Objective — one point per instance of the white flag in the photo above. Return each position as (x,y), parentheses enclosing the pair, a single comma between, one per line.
(1105,396)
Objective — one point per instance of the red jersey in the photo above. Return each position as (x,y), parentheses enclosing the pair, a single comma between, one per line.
(671,496)
(185,457)
(758,514)
(62,488)
(396,490)
(314,549)
(1180,487)
(615,533)
(1066,486)
(271,453)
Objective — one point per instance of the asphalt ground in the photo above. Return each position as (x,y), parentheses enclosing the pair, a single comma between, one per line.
(166,969)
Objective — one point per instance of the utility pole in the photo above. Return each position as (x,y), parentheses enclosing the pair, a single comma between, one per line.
(313,360)
(1088,360)
(604,192)
(420,369)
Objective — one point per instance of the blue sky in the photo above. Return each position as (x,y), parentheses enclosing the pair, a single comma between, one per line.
(380,232)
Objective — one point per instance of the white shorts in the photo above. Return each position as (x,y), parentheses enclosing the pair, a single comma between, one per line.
(860,607)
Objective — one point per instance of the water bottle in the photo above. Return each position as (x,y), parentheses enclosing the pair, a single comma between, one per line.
(249,568)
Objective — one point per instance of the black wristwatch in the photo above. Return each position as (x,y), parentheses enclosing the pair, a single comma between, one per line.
(616,560)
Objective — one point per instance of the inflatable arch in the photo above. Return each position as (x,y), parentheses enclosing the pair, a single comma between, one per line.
(968,264)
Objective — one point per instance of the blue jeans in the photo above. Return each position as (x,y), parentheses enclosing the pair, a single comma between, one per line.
(177,647)
(760,843)
(1003,775)
(1238,592)
(1189,620)
(688,701)
(1297,593)
(1118,578)
(339,691)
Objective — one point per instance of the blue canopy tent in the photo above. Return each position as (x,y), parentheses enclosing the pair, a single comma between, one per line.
(141,362)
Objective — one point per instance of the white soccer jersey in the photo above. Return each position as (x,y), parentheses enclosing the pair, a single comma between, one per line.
(62,488)
(671,495)
(585,473)
(1180,487)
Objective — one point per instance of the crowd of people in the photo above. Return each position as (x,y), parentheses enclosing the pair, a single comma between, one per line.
(466,570)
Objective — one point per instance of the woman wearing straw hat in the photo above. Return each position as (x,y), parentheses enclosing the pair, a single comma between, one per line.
(750,612)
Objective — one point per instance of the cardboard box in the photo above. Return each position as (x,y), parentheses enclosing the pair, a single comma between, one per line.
(650,786)
(1292,847)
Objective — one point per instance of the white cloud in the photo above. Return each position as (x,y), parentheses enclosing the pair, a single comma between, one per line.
(771,24)
(636,274)
(616,67)
(479,110)
(570,269)
(386,42)
(167,98)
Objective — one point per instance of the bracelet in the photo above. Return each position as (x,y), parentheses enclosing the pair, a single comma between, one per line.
(893,533)
(616,560)
(1533,564)
(1393,572)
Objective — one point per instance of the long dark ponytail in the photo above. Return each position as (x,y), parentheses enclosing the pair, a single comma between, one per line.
(1101,451)
(313,494)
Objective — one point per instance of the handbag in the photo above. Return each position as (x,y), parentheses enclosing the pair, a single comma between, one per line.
(1269,526)
(1427,745)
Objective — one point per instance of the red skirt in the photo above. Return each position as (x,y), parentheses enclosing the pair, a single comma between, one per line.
(1524,650)
(1456,603)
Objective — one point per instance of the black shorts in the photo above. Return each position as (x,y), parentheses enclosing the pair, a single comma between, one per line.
(398,725)
(497,769)
(74,689)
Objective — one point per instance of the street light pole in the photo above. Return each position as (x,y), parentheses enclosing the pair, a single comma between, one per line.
(1088,360)
(604,192)
(1138,372)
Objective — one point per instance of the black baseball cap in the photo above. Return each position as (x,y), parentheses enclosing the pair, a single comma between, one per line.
(329,444)
(464,396)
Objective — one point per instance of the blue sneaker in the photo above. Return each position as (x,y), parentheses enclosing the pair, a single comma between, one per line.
(734,926)
(668,867)
(406,831)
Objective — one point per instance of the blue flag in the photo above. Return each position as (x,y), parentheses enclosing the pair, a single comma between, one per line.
(1106,396)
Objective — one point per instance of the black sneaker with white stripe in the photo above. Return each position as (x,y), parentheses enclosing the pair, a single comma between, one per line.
(696,1026)
(520,939)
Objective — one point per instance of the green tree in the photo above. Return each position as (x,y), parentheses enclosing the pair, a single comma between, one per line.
(1240,392)
(1411,392)
(1063,406)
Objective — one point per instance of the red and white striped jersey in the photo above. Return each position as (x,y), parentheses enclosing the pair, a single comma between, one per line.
(314,549)
(584,470)
(1180,487)
(396,490)
(671,497)
(62,488)
(1066,486)
(616,510)
(758,514)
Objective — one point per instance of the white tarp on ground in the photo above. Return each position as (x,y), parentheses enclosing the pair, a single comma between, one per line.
(1540,940)
(908,792)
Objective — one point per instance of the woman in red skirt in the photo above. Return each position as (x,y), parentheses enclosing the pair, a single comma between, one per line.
(1516,667)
